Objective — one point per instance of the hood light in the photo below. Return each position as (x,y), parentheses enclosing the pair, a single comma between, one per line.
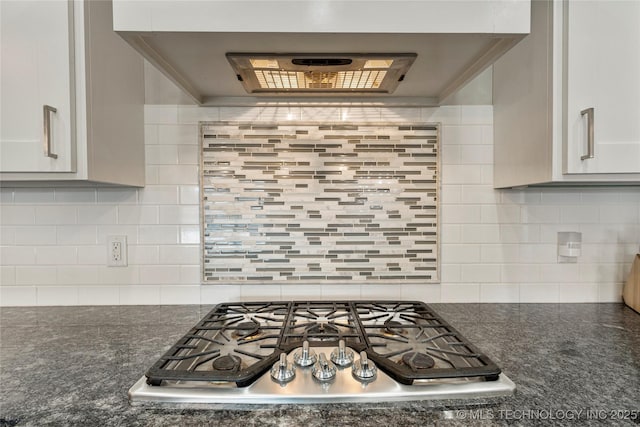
(339,73)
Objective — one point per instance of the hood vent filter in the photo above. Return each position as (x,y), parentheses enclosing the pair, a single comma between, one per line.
(320,74)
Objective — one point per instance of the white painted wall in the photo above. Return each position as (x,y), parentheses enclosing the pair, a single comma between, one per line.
(497,245)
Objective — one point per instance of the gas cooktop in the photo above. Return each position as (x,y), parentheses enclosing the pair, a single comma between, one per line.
(320,351)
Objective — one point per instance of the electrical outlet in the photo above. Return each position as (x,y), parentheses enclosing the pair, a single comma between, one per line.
(117,251)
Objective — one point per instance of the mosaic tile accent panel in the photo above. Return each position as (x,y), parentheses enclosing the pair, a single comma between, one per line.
(319,203)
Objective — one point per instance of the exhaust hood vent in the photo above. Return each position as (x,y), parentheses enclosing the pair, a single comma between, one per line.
(320,73)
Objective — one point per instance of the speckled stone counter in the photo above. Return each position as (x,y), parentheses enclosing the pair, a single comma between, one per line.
(74,365)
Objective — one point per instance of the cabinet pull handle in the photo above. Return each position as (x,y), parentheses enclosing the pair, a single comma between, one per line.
(590,140)
(47,139)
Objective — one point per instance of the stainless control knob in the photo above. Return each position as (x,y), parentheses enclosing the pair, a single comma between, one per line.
(364,369)
(283,371)
(342,356)
(324,370)
(305,357)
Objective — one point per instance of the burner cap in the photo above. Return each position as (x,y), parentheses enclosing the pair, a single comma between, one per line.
(227,362)
(393,327)
(322,328)
(417,361)
(246,329)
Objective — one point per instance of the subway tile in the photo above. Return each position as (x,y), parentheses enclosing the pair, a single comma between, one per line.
(189,234)
(578,292)
(97,214)
(520,273)
(551,196)
(139,295)
(467,292)
(161,155)
(449,115)
(478,194)
(188,155)
(400,114)
(189,195)
(56,255)
(93,255)
(151,175)
(429,293)
(7,236)
(144,254)
(117,196)
(263,292)
(537,253)
(218,294)
(182,294)
(325,114)
(159,274)
(194,114)
(33,195)
(597,196)
(476,154)
(500,214)
(76,234)
(17,215)
(75,195)
(500,253)
(461,135)
(450,194)
(18,296)
(17,255)
(293,292)
(579,214)
(460,214)
(480,233)
(559,273)
(476,114)
(178,174)
(602,273)
(35,235)
(384,292)
(158,234)
(480,273)
(461,174)
(610,292)
(179,215)
(460,253)
(104,231)
(99,295)
(119,275)
(450,233)
(519,233)
(539,293)
(190,274)
(36,275)
(337,291)
(141,215)
(450,154)
(178,134)
(57,295)
(619,214)
(499,293)
(450,273)
(77,275)
(7,275)
(150,134)
(160,114)
(159,195)
(174,254)
(6,195)
(56,215)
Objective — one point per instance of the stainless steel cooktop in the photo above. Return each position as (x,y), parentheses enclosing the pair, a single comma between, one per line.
(320,352)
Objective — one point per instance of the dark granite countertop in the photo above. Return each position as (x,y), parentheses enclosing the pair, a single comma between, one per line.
(74,365)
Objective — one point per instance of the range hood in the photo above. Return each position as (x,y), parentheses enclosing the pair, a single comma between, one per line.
(410,51)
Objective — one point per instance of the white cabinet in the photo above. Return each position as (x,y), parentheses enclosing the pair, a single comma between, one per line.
(36,72)
(69,80)
(603,73)
(580,55)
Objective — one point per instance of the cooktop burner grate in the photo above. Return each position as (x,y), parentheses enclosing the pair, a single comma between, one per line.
(239,342)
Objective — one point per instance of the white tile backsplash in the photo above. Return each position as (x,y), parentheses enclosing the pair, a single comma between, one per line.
(497,245)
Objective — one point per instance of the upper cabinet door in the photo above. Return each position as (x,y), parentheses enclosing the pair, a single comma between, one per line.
(36,49)
(603,74)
